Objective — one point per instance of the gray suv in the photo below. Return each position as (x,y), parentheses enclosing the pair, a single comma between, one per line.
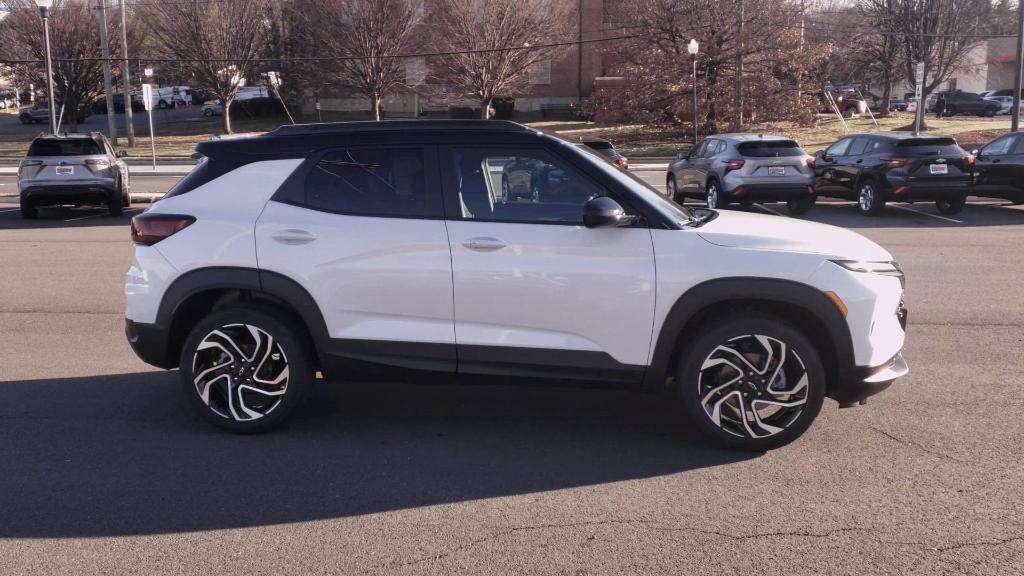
(728,168)
(77,169)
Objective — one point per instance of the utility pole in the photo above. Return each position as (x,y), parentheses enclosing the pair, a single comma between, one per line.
(1018,71)
(800,73)
(579,53)
(126,79)
(107,82)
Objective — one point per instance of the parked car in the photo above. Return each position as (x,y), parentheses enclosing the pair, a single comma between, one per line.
(897,105)
(340,248)
(607,150)
(40,114)
(213,108)
(729,168)
(1005,103)
(873,169)
(847,100)
(76,169)
(999,168)
(100,105)
(965,103)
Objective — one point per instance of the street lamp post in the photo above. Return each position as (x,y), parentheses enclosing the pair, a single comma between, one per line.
(693,48)
(44,11)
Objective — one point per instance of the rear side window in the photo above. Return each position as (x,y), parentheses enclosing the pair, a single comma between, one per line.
(371,182)
(770,149)
(62,147)
(929,146)
(196,177)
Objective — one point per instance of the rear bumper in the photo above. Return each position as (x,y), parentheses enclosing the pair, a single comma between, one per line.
(909,190)
(149,342)
(770,191)
(43,194)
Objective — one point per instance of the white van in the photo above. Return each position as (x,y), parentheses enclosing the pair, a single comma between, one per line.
(168,96)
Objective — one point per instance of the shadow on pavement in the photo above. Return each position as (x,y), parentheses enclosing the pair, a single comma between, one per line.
(122,455)
(64,217)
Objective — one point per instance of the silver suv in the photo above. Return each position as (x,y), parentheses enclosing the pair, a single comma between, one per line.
(77,169)
(728,168)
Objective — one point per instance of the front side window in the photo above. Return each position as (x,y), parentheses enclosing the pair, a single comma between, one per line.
(839,148)
(857,147)
(529,186)
(370,182)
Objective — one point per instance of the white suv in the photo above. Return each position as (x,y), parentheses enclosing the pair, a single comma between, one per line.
(352,248)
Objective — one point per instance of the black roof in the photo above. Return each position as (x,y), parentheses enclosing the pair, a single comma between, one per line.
(902,135)
(298,139)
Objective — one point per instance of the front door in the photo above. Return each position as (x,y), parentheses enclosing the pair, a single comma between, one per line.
(829,170)
(999,167)
(362,230)
(536,292)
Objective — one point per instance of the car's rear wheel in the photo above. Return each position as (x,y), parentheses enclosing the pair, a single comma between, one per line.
(800,205)
(28,210)
(868,201)
(951,205)
(25,119)
(751,382)
(671,190)
(115,204)
(245,369)
(713,195)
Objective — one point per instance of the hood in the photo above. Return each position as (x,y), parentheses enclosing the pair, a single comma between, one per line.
(781,234)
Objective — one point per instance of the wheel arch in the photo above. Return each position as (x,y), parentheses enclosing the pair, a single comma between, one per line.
(197,293)
(804,306)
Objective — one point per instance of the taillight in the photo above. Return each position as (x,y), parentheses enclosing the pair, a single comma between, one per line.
(970,160)
(731,165)
(623,162)
(148,229)
(97,163)
(811,162)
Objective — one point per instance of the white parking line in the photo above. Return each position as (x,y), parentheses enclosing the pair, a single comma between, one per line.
(909,209)
(773,211)
(99,214)
(11,210)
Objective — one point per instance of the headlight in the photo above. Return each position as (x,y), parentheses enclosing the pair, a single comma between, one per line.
(883,268)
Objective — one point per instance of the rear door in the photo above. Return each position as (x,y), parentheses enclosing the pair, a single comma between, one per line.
(362,230)
(536,292)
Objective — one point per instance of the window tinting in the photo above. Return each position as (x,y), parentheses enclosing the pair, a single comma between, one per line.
(929,146)
(714,147)
(370,182)
(1019,148)
(770,149)
(857,147)
(999,147)
(520,186)
(62,147)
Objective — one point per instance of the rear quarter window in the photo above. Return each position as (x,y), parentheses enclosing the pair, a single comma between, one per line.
(52,147)
(770,149)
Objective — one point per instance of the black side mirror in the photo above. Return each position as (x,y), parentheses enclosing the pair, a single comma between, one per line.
(681,156)
(975,152)
(603,212)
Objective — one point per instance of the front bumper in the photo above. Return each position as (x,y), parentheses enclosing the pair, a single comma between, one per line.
(150,343)
(867,382)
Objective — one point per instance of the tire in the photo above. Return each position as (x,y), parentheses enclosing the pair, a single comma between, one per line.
(162,105)
(799,206)
(126,197)
(228,338)
(869,201)
(208,113)
(28,210)
(671,190)
(951,205)
(115,204)
(721,371)
(713,195)
(26,120)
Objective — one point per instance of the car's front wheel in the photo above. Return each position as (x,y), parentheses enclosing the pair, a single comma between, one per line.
(868,200)
(751,382)
(245,369)
(951,205)
(671,190)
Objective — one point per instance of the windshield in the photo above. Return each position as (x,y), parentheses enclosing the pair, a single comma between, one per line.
(53,147)
(640,188)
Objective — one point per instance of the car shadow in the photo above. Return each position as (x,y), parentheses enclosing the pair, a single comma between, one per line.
(977,213)
(123,455)
(65,217)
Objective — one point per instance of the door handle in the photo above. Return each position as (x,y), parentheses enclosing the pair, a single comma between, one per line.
(484,244)
(292,237)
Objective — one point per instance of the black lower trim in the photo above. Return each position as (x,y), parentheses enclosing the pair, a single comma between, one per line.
(346,356)
(68,194)
(777,192)
(546,363)
(149,342)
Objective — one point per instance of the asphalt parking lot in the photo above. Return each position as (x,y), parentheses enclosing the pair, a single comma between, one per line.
(104,470)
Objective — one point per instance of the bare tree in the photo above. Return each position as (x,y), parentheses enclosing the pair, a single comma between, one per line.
(491,45)
(74,37)
(369,33)
(221,40)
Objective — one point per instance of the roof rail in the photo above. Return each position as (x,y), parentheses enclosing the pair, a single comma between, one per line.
(340,127)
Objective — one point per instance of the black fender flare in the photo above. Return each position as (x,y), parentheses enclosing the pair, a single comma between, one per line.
(750,291)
